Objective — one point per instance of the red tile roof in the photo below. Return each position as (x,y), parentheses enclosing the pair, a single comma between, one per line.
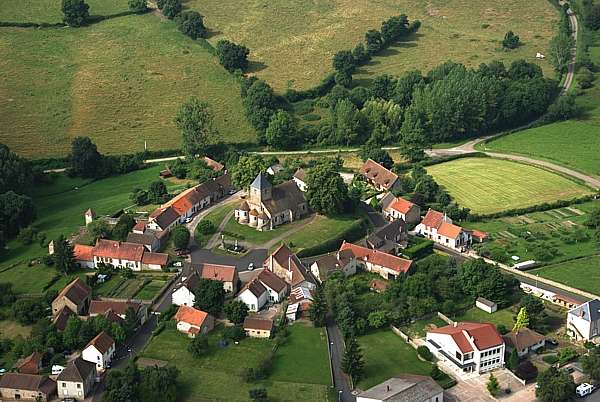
(98,307)
(433,219)
(223,273)
(155,258)
(376,257)
(119,250)
(30,364)
(378,174)
(484,335)
(261,324)
(401,205)
(191,316)
(449,230)
(140,226)
(479,234)
(83,252)
(102,342)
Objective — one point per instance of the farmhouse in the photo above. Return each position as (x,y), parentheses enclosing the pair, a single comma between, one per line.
(152,240)
(84,255)
(583,322)
(404,387)
(26,387)
(343,261)
(76,380)
(391,238)
(184,291)
(486,305)
(398,208)
(76,297)
(192,321)
(276,287)
(525,340)
(438,227)
(163,219)
(31,364)
(99,351)
(269,206)
(467,347)
(386,265)
(126,255)
(254,295)
(300,179)
(379,177)
(258,327)
(104,307)
(288,267)
(227,274)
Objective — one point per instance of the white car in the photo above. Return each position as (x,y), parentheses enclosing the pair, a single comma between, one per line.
(188,220)
(251,266)
(177,264)
(56,369)
(584,389)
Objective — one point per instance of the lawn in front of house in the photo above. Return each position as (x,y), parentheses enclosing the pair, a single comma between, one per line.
(419,328)
(487,185)
(303,357)
(217,376)
(581,273)
(249,234)
(500,317)
(386,355)
(150,289)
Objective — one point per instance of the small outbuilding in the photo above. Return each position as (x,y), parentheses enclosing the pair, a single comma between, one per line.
(292,312)
(486,305)
(258,327)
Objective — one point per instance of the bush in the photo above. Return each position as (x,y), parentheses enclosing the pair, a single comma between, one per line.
(566,355)
(550,359)
(527,371)
(585,78)
(425,353)
(502,329)
(206,227)
(423,248)
(234,333)
(311,117)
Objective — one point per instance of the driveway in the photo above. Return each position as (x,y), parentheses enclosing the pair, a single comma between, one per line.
(475,389)
(336,351)
(257,256)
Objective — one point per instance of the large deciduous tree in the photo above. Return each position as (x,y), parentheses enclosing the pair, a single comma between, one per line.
(326,191)
(16,212)
(236,311)
(555,385)
(281,132)
(76,12)
(196,122)
(191,24)
(482,279)
(247,168)
(15,172)
(138,6)
(86,161)
(170,8)
(591,364)
(210,296)
(560,51)
(181,236)
(232,56)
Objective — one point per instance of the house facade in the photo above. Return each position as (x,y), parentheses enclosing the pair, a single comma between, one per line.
(524,340)
(287,266)
(467,347)
(122,255)
(26,387)
(404,387)
(341,261)
(438,227)
(258,327)
(300,179)
(583,321)
(184,291)
(386,265)
(76,380)
(119,308)
(276,287)
(254,295)
(100,351)
(269,206)
(76,297)
(399,208)
(379,177)
(192,321)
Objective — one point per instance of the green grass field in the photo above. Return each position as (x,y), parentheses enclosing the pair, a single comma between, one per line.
(474,314)
(488,185)
(387,355)
(119,82)
(572,143)
(217,376)
(292,43)
(583,273)
(150,290)
(321,229)
(62,213)
(49,10)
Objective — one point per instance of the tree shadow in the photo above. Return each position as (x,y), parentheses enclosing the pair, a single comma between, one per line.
(210,33)
(255,66)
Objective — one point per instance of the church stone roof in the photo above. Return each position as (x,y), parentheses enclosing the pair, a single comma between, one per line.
(261,182)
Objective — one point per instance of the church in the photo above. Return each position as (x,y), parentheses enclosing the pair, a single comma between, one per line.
(269,206)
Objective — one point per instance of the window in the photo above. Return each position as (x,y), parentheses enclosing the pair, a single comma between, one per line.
(64,384)
(78,385)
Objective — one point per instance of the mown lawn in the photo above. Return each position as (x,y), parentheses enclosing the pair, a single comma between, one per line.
(487,185)
(49,10)
(500,317)
(573,143)
(386,355)
(218,375)
(119,81)
(253,236)
(419,328)
(303,357)
(582,273)
(62,213)
(292,42)
(150,290)
(321,229)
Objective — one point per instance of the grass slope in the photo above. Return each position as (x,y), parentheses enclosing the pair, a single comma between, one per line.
(119,81)
(583,273)
(292,42)
(573,143)
(488,185)
(49,10)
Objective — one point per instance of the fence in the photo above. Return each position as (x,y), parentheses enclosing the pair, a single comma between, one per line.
(404,336)
(445,318)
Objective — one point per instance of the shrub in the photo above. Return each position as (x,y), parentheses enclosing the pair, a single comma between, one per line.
(550,359)
(423,248)
(311,117)
(566,355)
(425,353)
(585,78)
(502,329)
(206,227)
(526,371)
(190,23)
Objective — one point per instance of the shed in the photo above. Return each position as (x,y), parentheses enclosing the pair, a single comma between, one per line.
(292,312)
(486,305)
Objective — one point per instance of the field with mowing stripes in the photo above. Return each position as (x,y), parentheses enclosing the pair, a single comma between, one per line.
(488,185)
(583,273)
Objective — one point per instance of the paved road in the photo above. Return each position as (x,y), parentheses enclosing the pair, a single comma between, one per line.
(571,68)
(257,256)
(336,349)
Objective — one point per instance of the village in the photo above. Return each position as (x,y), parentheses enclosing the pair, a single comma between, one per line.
(240,290)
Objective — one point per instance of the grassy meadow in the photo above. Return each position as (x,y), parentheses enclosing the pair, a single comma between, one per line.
(487,185)
(582,273)
(119,81)
(574,143)
(292,43)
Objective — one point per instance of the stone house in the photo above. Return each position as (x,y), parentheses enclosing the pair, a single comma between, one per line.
(76,296)
(26,387)
(76,380)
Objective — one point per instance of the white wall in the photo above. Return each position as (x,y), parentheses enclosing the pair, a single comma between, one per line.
(183,297)
(582,325)
(253,303)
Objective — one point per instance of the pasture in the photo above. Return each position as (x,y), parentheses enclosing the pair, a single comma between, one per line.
(119,81)
(487,185)
(292,42)
(582,273)
(573,143)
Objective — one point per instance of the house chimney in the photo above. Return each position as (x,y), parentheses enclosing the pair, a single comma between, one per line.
(388,388)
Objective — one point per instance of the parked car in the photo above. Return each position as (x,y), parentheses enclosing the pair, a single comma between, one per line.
(68,400)
(182,251)
(56,369)
(2,371)
(552,341)
(232,191)
(584,389)
(570,370)
(251,266)
(178,264)
(188,220)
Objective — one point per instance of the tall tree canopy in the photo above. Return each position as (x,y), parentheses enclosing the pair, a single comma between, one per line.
(86,161)
(555,385)
(281,132)
(15,172)
(76,12)
(210,296)
(196,122)
(232,56)
(326,191)
(247,168)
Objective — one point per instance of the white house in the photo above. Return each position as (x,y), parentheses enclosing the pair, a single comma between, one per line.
(76,381)
(328,264)
(125,255)
(192,321)
(99,351)
(398,208)
(525,340)
(300,179)
(184,291)
(486,305)
(467,347)
(387,265)
(404,387)
(276,287)
(438,227)
(254,295)
(258,327)
(583,321)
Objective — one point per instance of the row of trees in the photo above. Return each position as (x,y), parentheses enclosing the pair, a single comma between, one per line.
(151,384)
(86,161)
(76,12)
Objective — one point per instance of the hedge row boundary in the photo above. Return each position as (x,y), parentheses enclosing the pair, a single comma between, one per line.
(356,231)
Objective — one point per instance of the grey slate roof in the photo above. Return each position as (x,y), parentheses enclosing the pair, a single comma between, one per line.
(285,196)
(167,217)
(404,388)
(261,182)
(146,239)
(77,371)
(589,311)
(486,302)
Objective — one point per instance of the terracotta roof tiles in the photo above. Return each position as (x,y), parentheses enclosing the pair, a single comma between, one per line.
(484,335)
(191,316)
(380,258)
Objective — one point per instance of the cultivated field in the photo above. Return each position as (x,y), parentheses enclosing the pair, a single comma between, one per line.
(292,42)
(574,143)
(487,185)
(119,81)
(582,273)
